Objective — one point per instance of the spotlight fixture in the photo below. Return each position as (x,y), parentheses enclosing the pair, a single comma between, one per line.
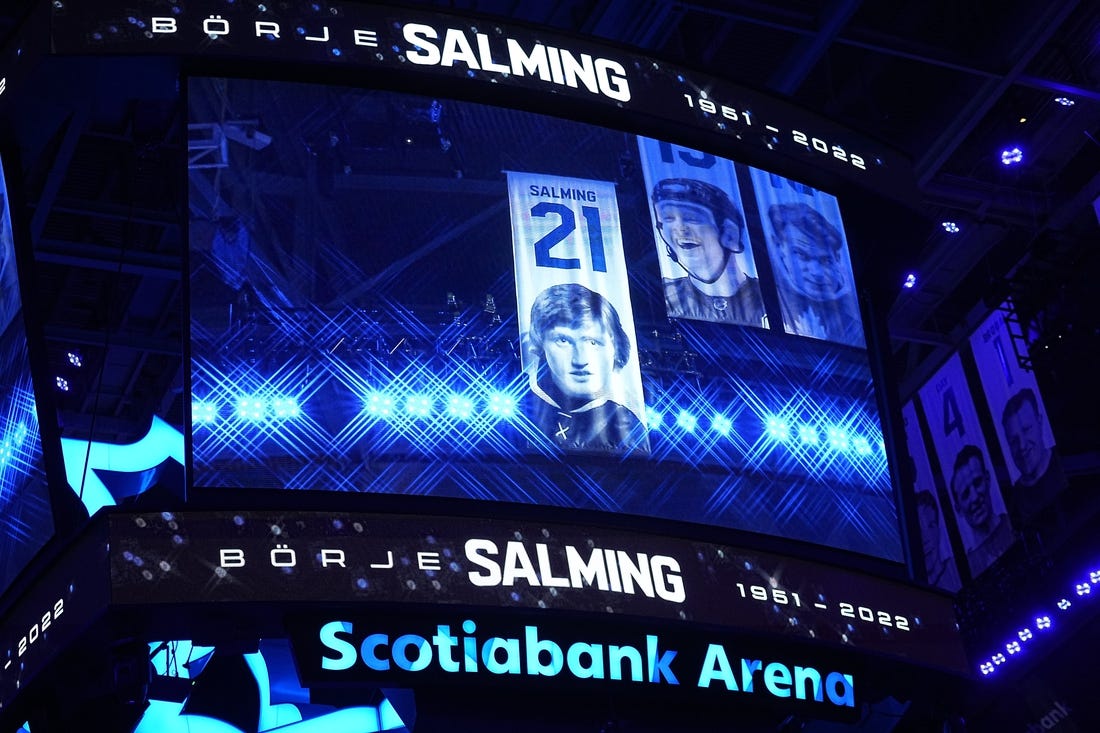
(950,227)
(1011,156)
(910,281)
(1065,101)
(75,359)
(62,384)
(1024,634)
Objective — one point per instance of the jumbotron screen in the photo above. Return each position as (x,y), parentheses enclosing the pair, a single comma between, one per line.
(418,295)
(26,520)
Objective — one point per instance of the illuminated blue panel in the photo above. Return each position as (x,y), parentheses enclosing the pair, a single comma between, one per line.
(391,340)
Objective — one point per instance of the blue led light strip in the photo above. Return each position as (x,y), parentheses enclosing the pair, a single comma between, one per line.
(1079,593)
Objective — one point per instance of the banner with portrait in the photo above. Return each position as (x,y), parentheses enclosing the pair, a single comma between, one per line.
(939,559)
(708,272)
(972,485)
(1019,418)
(809,257)
(576,324)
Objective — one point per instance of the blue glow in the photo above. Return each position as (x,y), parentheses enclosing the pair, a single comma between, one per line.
(808,435)
(75,360)
(62,384)
(1011,156)
(501,405)
(251,408)
(986,667)
(1024,634)
(1094,577)
(1042,622)
(777,429)
(1065,101)
(861,446)
(1064,604)
(418,405)
(460,407)
(950,227)
(203,413)
(686,421)
(285,407)
(910,281)
(379,405)
(838,439)
(653,418)
(1083,589)
(1013,647)
(998,659)
(721,424)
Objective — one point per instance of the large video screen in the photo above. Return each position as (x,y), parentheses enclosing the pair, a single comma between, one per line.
(26,521)
(415,295)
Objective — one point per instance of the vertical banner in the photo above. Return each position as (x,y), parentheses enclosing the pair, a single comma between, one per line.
(964,459)
(707,268)
(576,324)
(809,257)
(939,560)
(1018,417)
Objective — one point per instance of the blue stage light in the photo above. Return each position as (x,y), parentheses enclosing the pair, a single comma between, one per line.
(1065,101)
(987,667)
(1042,622)
(379,404)
(686,421)
(1094,577)
(838,439)
(285,407)
(808,435)
(998,658)
(62,384)
(721,424)
(1024,634)
(1011,156)
(777,429)
(1064,604)
(653,418)
(418,405)
(1083,589)
(203,413)
(861,446)
(251,408)
(74,359)
(501,405)
(1013,647)
(460,407)
(910,281)
(950,227)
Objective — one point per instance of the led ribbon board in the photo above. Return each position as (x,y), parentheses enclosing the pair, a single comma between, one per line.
(207,557)
(386,40)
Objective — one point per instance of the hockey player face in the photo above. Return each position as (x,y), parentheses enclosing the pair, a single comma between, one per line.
(694,238)
(580,358)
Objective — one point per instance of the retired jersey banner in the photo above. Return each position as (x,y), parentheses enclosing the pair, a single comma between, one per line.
(809,257)
(576,324)
(708,272)
(1019,419)
(964,460)
(939,559)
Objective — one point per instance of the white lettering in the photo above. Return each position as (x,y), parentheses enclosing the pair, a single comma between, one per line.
(231,558)
(428,560)
(424,52)
(366,38)
(214,26)
(267,28)
(323,38)
(163,25)
(332,557)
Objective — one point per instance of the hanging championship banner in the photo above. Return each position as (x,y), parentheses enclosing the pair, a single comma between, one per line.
(576,324)
(964,460)
(809,256)
(939,559)
(707,268)
(1018,417)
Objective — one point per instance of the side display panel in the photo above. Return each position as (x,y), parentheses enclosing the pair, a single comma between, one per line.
(26,521)
(419,296)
